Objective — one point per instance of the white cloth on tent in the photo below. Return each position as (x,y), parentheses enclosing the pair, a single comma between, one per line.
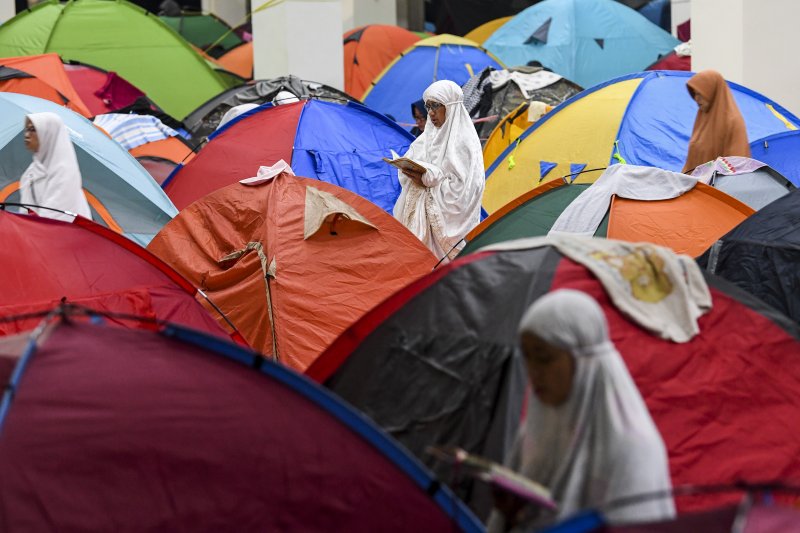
(727,166)
(53,179)
(584,215)
(267,173)
(660,290)
(132,130)
(526,81)
(234,112)
(448,204)
(601,445)
(285,97)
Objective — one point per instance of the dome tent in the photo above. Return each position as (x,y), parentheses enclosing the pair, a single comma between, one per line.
(339,143)
(368,50)
(643,119)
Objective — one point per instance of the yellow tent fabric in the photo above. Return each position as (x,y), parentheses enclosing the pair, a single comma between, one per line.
(506,132)
(485,30)
(580,133)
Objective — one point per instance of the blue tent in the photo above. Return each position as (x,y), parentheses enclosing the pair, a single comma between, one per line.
(587,41)
(780,151)
(443,57)
(342,143)
(121,193)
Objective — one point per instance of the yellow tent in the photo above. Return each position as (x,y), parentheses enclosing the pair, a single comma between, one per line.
(507,131)
(485,30)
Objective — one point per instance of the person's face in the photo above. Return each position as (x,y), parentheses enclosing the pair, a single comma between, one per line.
(31,138)
(702,103)
(437,112)
(550,370)
(420,119)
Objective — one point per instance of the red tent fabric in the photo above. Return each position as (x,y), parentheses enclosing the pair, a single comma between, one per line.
(101,91)
(672,61)
(111,429)
(46,260)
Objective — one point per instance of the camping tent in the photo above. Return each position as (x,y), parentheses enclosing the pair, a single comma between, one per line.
(643,119)
(108,429)
(121,193)
(101,91)
(339,143)
(439,362)
(780,151)
(443,57)
(42,76)
(324,255)
(206,118)
(238,60)
(749,181)
(111,35)
(204,30)
(587,41)
(45,261)
(761,255)
(687,224)
(368,50)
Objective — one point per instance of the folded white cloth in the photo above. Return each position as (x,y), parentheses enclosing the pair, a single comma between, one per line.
(267,173)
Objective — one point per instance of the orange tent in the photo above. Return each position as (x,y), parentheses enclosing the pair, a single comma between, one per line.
(688,224)
(238,60)
(292,262)
(368,50)
(42,76)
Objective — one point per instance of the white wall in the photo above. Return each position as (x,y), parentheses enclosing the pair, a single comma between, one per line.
(7,10)
(231,11)
(681,12)
(298,37)
(362,12)
(751,42)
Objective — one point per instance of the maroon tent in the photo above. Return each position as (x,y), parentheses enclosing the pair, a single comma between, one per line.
(45,261)
(112,429)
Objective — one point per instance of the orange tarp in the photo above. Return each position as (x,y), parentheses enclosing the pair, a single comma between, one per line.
(238,60)
(292,262)
(50,81)
(366,54)
(689,224)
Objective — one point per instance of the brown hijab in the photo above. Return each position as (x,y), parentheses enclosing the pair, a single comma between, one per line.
(719,128)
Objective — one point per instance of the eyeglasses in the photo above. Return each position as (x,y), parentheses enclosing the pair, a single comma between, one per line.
(29,129)
(432,106)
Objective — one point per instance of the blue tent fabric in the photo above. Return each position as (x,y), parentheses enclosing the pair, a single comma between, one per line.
(780,151)
(545,167)
(344,144)
(134,199)
(406,80)
(658,122)
(659,12)
(588,41)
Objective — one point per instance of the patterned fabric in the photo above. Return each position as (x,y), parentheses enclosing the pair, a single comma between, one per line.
(133,130)
(474,89)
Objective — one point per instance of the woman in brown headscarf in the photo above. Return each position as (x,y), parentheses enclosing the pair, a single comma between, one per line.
(719,128)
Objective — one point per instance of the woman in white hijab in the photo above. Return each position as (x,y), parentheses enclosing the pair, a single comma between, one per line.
(589,438)
(53,179)
(441,205)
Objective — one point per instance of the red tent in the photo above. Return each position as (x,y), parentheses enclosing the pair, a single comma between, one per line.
(111,429)
(101,91)
(46,260)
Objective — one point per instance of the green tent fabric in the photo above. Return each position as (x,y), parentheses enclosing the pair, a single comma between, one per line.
(121,37)
(204,30)
(532,218)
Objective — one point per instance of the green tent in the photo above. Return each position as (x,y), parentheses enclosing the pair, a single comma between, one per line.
(204,30)
(530,215)
(121,37)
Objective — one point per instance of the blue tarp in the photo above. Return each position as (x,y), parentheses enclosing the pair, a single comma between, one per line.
(588,41)
(408,78)
(780,151)
(344,144)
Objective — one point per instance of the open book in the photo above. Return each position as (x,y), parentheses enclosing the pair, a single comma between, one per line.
(496,475)
(404,163)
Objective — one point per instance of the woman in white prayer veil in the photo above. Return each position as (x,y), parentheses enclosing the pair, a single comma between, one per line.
(53,179)
(589,436)
(441,205)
